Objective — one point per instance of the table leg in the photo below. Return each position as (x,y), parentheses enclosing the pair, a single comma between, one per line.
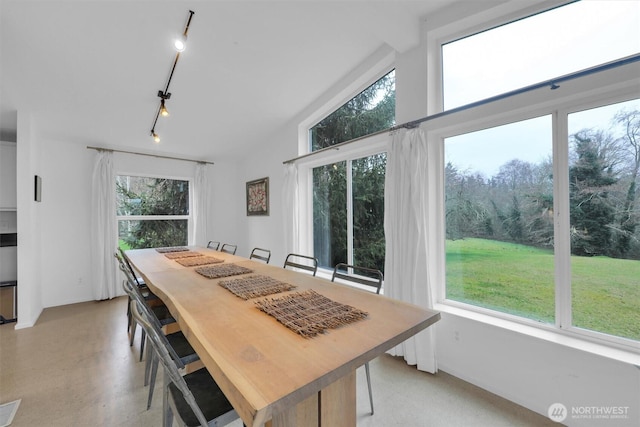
(338,403)
(334,406)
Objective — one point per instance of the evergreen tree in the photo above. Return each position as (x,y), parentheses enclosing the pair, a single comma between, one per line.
(591,210)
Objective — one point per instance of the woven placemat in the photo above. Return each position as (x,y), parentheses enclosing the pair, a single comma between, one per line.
(225,270)
(308,313)
(172,249)
(182,254)
(255,286)
(198,260)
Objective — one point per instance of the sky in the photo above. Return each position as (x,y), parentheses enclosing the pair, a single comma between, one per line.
(510,57)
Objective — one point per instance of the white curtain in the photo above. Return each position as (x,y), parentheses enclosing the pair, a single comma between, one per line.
(200,203)
(290,208)
(406,233)
(104,232)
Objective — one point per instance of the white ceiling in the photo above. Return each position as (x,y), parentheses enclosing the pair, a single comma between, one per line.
(89,71)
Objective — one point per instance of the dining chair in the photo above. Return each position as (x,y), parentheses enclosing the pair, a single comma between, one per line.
(369,277)
(213,245)
(303,262)
(159,309)
(148,295)
(193,399)
(230,249)
(261,254)
(177,344)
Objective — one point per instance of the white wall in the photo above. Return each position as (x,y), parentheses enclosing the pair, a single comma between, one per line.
(537,373)
(266,231)
(29,215)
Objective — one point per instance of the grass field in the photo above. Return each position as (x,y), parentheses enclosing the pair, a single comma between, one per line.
(519,280)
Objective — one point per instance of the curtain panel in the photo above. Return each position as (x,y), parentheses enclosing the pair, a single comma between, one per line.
(290,208)
(104,229)
(406,226)
(200,203)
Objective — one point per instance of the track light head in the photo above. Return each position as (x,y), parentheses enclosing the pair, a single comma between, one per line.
(155,136)
(180,43)
(163,109)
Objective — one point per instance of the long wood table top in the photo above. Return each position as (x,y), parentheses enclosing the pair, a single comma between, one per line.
(262,366)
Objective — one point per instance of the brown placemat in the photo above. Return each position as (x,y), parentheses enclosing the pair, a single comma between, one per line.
(308,313)
(255,286)
(226,270)
(182,254)
(172,249)
(198,260)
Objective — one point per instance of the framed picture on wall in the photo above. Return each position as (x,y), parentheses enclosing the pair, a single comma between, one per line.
(258,197)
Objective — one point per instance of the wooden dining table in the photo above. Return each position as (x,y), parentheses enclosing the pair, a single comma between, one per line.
(271,375)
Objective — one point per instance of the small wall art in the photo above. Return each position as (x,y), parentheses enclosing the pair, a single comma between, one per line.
(258,197)
(37,189)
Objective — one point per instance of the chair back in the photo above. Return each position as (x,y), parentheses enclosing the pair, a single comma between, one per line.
(230,249)
(171,368)
(123,259)
(303,262)
(261,254)
(213,245)
(361,275)
(134,294)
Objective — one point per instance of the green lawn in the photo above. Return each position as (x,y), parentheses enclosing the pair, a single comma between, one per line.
(519,279)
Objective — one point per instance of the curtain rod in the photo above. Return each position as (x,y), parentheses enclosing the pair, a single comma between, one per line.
(204,162)
(552,84)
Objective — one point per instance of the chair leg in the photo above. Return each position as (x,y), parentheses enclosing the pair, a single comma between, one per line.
(147,367)
(152,382)
(143,339)
(366,370)
(133,332)
(129,318)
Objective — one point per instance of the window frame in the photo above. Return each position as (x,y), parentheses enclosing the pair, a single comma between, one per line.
(189,217)
(381,63)
(363,147)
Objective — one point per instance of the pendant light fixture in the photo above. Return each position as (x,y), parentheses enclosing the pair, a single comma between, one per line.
(179,44)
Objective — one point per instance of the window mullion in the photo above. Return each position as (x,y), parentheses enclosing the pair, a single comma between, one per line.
(562,239)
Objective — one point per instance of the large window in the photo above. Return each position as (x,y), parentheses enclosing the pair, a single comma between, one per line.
(348,189)
(152,212)
(542,217)
(564,40)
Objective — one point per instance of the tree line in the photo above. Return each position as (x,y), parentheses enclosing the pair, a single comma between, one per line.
(516,204)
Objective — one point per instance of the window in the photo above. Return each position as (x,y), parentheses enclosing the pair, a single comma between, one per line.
(348,212)
(604,167)
(372,110)
(561,41)
(348,185)
(541,208)
(152,212)
(499,219)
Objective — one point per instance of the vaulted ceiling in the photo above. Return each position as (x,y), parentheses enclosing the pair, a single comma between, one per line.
(88,72)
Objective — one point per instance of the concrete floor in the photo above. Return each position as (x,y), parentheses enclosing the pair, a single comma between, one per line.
(75,368)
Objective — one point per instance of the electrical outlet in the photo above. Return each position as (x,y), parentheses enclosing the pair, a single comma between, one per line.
(456,335)
(79,281)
